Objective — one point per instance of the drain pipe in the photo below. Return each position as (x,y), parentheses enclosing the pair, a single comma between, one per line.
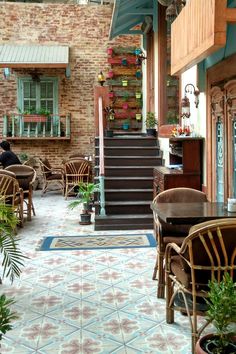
(101,158)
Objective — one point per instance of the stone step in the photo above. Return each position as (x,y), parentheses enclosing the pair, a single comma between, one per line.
(127,171)
(124,222)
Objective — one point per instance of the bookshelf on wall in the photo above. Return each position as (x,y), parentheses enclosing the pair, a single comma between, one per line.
(125,88)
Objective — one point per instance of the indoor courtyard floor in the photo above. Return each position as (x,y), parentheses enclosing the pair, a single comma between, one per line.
(88,301)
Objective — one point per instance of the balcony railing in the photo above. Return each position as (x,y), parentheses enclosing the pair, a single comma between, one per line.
(36,126)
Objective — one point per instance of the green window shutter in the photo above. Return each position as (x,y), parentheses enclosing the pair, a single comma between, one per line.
(35,95)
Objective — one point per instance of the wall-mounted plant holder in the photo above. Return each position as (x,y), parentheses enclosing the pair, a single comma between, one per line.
(124,61)
(110,74)
(124,82)
(109,51)
(137,51)
(125,125)
(125,106)
(138,74)
(138,95)
(111,94)
(138,116)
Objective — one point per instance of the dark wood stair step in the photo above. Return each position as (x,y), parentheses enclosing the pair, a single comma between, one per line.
(124,222)
(130,150)
(128,194)
(127,182)
(125,207)
(128,141)
(130,160)
(128,171)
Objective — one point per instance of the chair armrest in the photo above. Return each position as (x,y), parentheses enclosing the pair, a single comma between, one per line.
(171,248)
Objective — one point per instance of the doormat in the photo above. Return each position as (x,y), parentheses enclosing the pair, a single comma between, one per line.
(90,242)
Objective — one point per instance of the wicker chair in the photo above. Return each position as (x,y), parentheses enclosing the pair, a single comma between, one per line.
(51,176)
(207,253)
(76,171)
(166,232)
(12,194)
(26,176)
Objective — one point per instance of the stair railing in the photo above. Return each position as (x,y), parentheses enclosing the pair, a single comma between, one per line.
(101,158)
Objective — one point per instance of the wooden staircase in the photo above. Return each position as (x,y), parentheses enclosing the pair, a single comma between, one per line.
(129,162)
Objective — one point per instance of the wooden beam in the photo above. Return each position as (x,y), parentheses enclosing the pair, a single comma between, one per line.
(198,31)
(231,15)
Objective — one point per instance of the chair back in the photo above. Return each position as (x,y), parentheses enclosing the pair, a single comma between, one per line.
(25,175)
(177,195)
(9,187)
(78,170)
(209,251)
(46,168)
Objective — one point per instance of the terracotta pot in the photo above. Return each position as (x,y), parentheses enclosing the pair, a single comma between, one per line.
(111,94)
(125,106)
(110,74)
(34,118)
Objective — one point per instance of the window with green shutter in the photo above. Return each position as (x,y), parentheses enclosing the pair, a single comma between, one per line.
(36,95)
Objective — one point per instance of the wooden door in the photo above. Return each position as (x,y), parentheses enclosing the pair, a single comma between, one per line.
(223,140)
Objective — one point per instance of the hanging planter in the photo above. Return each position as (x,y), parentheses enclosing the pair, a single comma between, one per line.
(125,106)
(137,51)
(126,125)
(124,82)
(124,61)
(109,51)
(111,94)
(138,74)
(138,116)
(111,116)
(110,74)
(138,95)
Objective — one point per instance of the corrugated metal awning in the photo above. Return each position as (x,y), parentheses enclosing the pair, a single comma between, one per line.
(33,56)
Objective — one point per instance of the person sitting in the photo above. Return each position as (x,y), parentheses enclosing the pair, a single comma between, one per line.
(8,157)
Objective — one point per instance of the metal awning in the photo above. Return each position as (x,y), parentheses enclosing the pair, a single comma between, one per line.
(33,56)
(129,14)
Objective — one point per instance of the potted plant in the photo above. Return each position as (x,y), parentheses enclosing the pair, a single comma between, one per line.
(12,258)
(85,197)
(36,115)
(110,116)
(6,315)
(222,312)
(124,81)
(151,123)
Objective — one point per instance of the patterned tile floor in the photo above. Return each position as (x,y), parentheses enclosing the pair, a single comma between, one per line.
(100,301)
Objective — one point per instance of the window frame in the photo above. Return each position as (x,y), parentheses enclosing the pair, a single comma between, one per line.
(20,97)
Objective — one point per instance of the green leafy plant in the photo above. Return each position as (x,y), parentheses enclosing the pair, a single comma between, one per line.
(12,257)
(151,120)
(222,312)
(41,111)
(6,315)
(85,195)
(23,157)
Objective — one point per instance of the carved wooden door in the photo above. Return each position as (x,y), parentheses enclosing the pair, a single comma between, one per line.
(223,139)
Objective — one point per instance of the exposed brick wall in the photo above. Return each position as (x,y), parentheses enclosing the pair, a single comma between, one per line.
(85,29)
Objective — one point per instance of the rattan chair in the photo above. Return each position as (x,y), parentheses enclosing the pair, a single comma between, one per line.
(166,232)
(207,253)
(26,176)
(51,177)
(76,171)
(11,194)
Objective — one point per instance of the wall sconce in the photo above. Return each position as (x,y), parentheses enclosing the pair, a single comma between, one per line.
(101,78)
(185,103)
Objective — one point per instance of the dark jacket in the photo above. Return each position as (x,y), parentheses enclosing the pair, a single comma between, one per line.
(8,158)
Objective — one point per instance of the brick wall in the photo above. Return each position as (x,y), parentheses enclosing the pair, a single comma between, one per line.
(85,29)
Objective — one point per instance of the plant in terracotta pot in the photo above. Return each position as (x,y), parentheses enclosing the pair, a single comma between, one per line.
(85,197)
(222,313)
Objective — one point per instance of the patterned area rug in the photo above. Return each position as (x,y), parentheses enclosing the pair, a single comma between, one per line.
(96,242)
